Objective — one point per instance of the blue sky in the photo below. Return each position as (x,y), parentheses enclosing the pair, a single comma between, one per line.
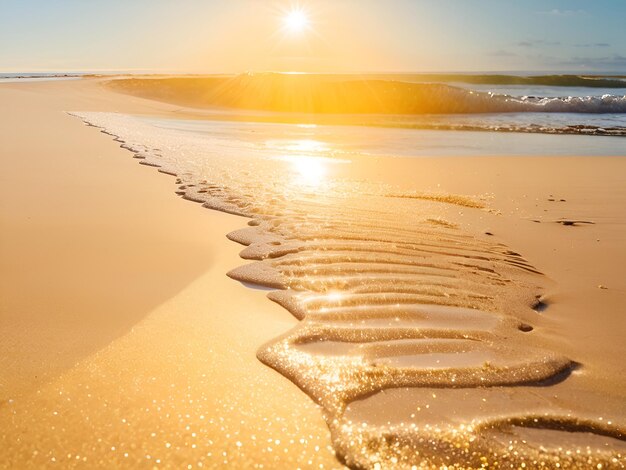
(344,35)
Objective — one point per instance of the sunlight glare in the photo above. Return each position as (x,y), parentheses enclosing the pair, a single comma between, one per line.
(334,296)
(296,21)
(310,171)
(306,145)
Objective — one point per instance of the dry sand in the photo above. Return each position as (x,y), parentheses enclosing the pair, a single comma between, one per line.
(124,341)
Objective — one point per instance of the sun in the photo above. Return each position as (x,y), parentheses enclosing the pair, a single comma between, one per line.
(296,21)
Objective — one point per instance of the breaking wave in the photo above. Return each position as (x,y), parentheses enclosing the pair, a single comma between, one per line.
(569,104)
(327,94)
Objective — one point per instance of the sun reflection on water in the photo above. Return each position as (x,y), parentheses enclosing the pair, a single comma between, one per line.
(306,145)
(309,161)
(309,171)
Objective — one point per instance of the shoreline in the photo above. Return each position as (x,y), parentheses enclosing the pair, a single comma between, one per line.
(156,309)
(510,226)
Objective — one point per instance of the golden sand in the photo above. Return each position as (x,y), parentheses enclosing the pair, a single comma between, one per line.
(423,343)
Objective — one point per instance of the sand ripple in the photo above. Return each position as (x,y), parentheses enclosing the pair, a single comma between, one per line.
(416,338)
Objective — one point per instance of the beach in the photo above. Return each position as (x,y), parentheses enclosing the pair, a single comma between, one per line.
(108,321)
(125,343)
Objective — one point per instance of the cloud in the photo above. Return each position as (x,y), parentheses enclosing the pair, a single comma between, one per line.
(503,53)
(612,62)
(557,12)
(595,44)
(538,42)
(541,59)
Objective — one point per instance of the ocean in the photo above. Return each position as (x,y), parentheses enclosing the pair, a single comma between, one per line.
(550,104)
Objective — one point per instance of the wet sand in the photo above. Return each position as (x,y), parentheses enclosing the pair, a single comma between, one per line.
(579,354)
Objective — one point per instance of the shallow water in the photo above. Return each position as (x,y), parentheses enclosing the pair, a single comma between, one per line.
(285,140)
(415,337)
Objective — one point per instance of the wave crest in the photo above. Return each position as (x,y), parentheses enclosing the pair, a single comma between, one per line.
(569,104)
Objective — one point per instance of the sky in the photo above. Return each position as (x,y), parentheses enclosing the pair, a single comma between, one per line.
(232,36)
